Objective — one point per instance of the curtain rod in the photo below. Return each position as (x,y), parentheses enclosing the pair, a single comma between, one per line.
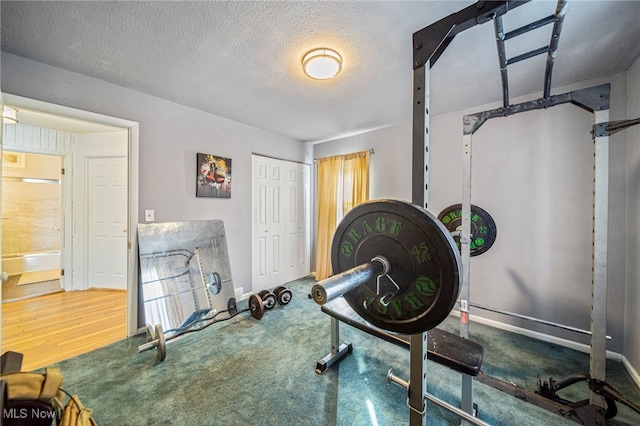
(279,158)
(371,151)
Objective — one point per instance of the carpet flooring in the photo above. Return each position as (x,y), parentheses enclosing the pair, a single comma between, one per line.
(249,372)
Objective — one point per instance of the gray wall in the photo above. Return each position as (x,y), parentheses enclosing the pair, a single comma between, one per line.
(170,135)
(533,173)
(632,299)
(390,164)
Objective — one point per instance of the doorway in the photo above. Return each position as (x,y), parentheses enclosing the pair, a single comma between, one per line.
(82,141)
(31,224)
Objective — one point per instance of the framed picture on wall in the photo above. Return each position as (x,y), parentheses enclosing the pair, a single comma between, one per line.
(213,176)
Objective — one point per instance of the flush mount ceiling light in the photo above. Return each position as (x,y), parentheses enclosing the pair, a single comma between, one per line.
(9,115)
(322,64)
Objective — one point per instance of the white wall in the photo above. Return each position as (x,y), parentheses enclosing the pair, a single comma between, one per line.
(533,172)
(170,135)
(632,299)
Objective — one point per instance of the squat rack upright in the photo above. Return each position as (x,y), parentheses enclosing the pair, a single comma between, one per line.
(428,45)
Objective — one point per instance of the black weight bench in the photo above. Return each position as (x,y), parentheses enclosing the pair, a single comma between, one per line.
(445,348)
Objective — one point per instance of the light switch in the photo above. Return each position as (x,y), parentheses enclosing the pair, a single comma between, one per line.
(148,215)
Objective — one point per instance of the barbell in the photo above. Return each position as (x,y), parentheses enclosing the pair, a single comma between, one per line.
(157,340)
(396,265)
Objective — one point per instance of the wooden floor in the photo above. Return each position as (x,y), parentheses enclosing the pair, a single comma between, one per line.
(54,327)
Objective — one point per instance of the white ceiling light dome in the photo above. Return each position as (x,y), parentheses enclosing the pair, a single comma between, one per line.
(322,64)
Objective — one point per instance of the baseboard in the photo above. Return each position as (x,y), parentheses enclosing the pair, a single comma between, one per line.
(556,340)
(240,295)
(631,370)
(104,289)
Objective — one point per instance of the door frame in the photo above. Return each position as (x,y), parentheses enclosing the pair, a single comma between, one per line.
(133,161)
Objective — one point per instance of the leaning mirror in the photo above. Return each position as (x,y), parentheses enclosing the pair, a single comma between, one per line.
(185,276)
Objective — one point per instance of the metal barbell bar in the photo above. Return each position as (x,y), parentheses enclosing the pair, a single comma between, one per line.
(533,319)
(159,343)
(429,397)
(339,284)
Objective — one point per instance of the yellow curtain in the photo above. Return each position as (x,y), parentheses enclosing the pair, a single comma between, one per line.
(343,183)
(355,180)
(329,173)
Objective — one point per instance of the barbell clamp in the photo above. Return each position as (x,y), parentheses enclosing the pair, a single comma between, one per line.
(339,284)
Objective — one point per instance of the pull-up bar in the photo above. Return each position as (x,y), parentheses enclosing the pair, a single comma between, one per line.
(430,42)
(557,19)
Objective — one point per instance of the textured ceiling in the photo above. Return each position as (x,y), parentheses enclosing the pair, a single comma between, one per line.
(242,60)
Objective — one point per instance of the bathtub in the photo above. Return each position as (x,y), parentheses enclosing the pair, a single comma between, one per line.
(30,262)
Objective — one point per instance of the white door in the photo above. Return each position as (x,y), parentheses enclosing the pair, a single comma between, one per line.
(291,223)
(107,222)
(280,222)
(297,255)
(268,229)
(304,220)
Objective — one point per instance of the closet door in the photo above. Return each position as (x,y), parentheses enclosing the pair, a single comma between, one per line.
(280,222)
(268,223)
(300,221)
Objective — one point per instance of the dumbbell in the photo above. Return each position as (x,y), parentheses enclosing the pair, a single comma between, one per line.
(268,299)
(283,295)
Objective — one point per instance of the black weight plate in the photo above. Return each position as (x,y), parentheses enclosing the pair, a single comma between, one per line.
(232,306)
(483,227)
(255,306)
(284,296)
(425,265)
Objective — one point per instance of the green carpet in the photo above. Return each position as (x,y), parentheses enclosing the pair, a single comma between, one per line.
(249,372)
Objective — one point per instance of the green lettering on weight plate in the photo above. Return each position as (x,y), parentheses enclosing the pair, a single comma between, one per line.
(425,286)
